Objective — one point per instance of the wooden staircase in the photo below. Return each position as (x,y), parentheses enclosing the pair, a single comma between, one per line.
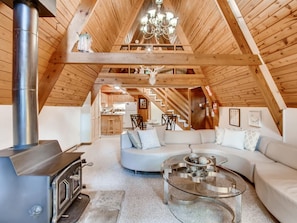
(170,100)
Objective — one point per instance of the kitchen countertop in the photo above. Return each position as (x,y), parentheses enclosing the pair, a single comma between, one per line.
(110,113)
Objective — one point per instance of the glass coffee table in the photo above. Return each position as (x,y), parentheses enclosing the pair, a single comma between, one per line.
(200,190)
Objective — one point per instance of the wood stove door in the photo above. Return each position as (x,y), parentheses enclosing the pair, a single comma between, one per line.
(66,187)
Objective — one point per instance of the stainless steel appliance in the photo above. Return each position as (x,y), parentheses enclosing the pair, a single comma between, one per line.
(130,108)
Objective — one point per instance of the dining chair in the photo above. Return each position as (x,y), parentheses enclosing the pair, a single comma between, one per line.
(137,121)
(169,120)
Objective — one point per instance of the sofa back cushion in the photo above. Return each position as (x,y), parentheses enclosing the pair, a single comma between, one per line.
(134,138)
(148,138)
(161,134)
(125,141)
(251,139)
(207,135)
(263,143)
(182,137)
(283,153)
(234,139)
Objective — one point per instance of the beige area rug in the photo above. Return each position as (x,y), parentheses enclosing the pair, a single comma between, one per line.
(104,206)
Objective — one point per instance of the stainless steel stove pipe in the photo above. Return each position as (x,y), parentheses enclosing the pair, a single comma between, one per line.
(25,74)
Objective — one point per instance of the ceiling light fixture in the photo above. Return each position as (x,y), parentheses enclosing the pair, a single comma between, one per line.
(156,23)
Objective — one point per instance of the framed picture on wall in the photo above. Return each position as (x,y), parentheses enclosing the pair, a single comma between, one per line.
(255,118)
(234,117)
(142,103)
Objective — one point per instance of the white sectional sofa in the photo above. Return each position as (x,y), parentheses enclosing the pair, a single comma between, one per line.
(271,165)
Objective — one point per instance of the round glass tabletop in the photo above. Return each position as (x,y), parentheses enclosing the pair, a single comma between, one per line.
(206,180)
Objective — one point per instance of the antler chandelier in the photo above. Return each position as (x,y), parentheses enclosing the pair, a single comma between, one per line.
(156,23)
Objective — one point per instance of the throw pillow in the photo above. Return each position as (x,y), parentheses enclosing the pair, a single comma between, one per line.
(149,138)
(251,139)
(134,137)
(219,135)
(161,134)
(234,138)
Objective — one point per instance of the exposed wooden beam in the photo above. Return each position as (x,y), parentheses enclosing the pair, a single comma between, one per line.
(255,70)
(196,68)
(255,50)
(54,70)
(158,59)
(141,80)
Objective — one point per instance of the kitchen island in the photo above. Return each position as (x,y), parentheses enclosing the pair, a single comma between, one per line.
(111,124)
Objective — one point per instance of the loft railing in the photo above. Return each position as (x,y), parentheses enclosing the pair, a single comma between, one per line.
(154,47)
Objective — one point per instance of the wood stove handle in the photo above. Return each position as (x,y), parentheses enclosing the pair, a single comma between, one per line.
(75,177)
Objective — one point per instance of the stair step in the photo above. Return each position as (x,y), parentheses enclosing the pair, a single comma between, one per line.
(153,96)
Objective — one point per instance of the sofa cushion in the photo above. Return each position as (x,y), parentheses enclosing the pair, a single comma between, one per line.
(283,153)
(125,141)
(234,138)
(240,161)
(263,143)
(251,139)
(275,185)
(149,138)
(182,137)
(219,134)
(150,160)
(134,137)
(161,134)
(207,136)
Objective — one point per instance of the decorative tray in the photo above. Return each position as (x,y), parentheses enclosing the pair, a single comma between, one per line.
(198,161)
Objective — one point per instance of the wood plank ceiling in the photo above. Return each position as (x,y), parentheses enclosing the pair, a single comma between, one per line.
(205,30)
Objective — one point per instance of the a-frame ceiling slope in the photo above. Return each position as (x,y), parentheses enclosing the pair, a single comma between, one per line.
(201,26)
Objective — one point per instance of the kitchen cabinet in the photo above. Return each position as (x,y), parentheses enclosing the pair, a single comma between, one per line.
(104,100)
(113,98)
(111,124)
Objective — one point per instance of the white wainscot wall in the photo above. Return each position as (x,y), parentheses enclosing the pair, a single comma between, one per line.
(55,123)
(6,131)
(290,125)
(62,124)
